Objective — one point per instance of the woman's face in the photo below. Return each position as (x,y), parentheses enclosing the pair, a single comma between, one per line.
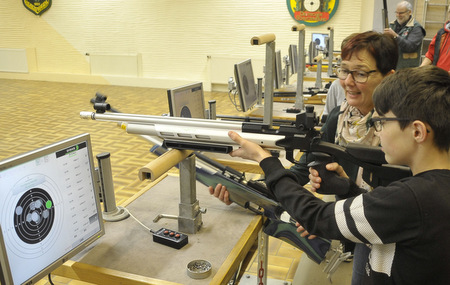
(359,95)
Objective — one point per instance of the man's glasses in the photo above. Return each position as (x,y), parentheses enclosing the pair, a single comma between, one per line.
(378,123)
(358,76)
(401,13)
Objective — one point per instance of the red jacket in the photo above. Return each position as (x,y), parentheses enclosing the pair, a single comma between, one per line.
(444,51)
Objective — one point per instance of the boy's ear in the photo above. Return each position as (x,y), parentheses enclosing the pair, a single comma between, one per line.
(420,131)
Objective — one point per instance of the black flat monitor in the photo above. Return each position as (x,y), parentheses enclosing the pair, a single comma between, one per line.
(245,83)
(187,101)
(293,57)
(49,209)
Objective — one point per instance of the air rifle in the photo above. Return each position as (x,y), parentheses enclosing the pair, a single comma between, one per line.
(212,136)
(249,194)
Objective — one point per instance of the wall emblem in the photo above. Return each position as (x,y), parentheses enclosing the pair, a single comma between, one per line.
(37,7)
(312,12)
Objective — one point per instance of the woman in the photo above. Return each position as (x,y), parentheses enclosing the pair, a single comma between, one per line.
(367,58)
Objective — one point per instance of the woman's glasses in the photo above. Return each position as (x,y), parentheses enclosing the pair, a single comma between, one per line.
(358,76)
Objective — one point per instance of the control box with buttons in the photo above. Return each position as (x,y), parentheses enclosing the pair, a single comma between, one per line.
(170,238)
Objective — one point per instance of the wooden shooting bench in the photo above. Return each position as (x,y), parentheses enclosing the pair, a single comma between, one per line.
(126,254)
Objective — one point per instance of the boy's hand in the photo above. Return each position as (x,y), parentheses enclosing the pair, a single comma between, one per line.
(315,179)
(248,149)
(303,232)
(221,193)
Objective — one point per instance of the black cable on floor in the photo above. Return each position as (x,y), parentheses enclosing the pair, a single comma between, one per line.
(50,279)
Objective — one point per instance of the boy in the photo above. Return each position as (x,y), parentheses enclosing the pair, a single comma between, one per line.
(406,223)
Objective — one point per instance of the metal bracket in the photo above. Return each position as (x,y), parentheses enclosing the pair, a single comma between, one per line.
(190,213)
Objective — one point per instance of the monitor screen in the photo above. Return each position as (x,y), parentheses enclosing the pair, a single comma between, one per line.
(245,83)
(293,57)
(49,209)
(320,41)
(187,101)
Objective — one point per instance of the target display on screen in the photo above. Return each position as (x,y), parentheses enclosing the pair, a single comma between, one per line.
(187,101)
(245,83)
(34,215)
(49,209)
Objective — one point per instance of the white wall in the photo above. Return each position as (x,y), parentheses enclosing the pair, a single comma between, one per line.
(174,41)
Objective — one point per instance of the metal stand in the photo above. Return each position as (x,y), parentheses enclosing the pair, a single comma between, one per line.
(269,40)
(112,213)
(330,51)
(259,91)
(212,111)
(190,219)
(190,213)
(318,59)
(287,64)
(300,66)
(335,260)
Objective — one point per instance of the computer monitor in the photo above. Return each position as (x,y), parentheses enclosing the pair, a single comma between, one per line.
(49,209)
(293,57)
(278,72)
(319,44)
(245,83)
(320,41)
(187,101)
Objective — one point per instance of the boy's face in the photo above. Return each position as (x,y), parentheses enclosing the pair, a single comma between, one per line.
(396,143)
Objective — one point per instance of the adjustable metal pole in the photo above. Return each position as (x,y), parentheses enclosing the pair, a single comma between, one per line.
(269,40)
(330,51)
(190,214)
(300,65)
(212,109)
(111,213)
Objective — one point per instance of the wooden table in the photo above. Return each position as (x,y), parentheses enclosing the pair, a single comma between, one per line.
(128,255)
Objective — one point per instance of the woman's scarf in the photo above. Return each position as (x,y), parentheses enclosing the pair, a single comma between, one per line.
(353,127)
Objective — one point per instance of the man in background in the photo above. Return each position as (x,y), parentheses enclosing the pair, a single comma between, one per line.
(408,34)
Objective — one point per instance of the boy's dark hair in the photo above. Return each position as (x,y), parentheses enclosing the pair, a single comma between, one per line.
(382,47)
(420,93)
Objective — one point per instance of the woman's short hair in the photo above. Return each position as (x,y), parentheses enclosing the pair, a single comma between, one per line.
(382,47)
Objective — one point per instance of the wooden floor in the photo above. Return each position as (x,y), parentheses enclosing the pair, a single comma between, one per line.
(36,113)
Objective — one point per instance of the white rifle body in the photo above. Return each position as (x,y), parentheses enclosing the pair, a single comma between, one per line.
(183,129)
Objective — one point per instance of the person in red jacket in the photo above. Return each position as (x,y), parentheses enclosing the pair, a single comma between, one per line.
(438,52)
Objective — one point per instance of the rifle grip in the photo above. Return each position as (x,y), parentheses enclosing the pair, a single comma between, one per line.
(331,183)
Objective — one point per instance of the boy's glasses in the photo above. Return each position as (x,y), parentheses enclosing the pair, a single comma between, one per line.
(378,123)
(358,76)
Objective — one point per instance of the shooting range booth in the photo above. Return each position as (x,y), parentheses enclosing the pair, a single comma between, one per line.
(242,61)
